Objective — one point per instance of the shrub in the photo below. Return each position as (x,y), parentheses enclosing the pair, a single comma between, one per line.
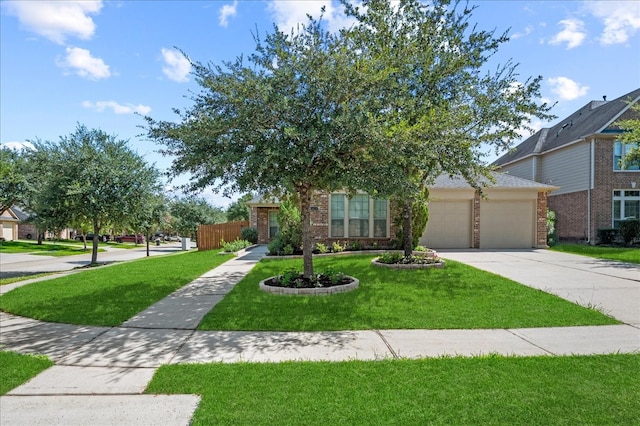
(234,246)
(321,248)
(551,228)
(290,223)
(630,230)
(355,245)
(606,236)
(336,247)
(275,247)
(390,257)
(250,234)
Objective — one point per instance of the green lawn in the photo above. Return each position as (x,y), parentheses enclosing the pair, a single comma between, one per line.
(594,390)
(108,296)
(44,249)
(456,297)
(622,254)
(4,281)
(16,369)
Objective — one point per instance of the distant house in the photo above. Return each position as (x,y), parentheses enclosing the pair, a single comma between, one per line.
(581,155)
(8,225)
(27,230)
(511,213)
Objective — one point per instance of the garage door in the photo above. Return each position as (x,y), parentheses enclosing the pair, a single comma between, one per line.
(7,231)
(449,225)
(507,224)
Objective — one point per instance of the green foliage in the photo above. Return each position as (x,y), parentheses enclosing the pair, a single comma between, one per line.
(391,257)
(355,245)
(551,228)
(607,236)
(419,219)
(250,234)
(234,246)
(17,178)
(238,210)
(189,212)
(622,254)
(321,248)
(631,135)
(276,247)
(336,247)
(290,224)
(630,230)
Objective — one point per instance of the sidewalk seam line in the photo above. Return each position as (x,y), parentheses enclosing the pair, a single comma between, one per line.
(529,342)
(387,344)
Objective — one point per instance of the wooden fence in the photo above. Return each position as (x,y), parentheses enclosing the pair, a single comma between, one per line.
(210,236)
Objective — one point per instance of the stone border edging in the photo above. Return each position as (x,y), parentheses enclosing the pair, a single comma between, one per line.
(436,265)
(318,291)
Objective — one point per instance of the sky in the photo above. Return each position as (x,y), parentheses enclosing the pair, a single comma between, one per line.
(104,64)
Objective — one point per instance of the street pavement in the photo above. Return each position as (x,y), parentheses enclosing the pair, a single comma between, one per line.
(101,372)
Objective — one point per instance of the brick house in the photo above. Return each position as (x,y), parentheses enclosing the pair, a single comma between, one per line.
(510,213)
(581,155)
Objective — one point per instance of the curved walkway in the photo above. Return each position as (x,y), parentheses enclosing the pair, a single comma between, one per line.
(100,373)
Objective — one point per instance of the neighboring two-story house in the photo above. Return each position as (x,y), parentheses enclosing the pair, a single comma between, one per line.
(582,156)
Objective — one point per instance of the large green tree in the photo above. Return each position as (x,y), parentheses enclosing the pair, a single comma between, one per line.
(92,177)
(190,211)
(288,122)
(16,179)
(238,210)
(432,91)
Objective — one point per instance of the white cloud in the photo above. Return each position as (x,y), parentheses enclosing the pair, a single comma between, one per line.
(621,19)
(227,11)
(18,146)
(85,65)
(528,30)
(56,20)
(288,14)
(117,108)
(567,89)
(177,67)
(573,33)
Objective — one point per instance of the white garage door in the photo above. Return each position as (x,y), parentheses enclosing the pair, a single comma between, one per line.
(7,231)
(449,225)
(507,224)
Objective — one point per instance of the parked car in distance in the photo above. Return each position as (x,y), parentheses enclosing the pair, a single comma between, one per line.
(138,239)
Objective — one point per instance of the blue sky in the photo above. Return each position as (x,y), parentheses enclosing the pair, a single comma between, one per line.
(97,63)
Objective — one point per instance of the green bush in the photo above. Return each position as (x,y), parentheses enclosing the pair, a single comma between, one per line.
(234,246)
(391,257)
(607,236)
(321,248)
(290,223)
(276,247)
(551,228)
(250,234)
(630,230)
(419,219)
(336,247)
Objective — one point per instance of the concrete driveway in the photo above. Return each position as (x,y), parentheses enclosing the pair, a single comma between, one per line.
(609,286)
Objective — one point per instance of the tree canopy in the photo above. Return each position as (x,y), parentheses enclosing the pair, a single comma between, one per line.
(383,106)
(91,177)
(631,134)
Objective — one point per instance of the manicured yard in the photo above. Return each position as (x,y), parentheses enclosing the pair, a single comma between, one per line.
(457,297)
(593,390)
(108,296)
(44,249)
(15,369)
(622,254)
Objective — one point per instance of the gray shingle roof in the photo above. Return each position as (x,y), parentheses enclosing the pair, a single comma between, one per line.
(593,118)
(502,181)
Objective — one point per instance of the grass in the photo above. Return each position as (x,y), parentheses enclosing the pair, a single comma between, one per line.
(456,297)
(11,280)
(108,296)
(484,390)
(44,249)
(16,369)
(622,254)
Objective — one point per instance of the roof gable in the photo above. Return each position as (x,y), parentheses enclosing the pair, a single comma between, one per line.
(593,118)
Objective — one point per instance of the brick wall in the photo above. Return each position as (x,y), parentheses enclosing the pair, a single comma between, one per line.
(571,215)
(606,181)
(541,225)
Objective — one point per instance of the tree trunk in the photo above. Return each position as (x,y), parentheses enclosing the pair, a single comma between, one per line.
(307,242)
(94,251)
(407,231)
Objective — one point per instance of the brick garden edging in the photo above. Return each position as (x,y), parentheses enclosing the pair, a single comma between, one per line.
(318,291)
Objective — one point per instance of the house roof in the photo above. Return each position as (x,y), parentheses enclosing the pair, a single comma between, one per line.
(593,118)
(8,216)
(444,181)
(20,214)
(502,181)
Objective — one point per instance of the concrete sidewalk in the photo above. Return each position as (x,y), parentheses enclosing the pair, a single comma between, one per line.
(101,372)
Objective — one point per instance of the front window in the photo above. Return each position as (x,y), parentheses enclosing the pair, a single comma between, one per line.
(274,229)
(626,205)
(620,151)
(351,217)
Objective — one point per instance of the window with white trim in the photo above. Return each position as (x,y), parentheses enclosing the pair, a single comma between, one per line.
(620,151)
(351,217)
(626,205)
